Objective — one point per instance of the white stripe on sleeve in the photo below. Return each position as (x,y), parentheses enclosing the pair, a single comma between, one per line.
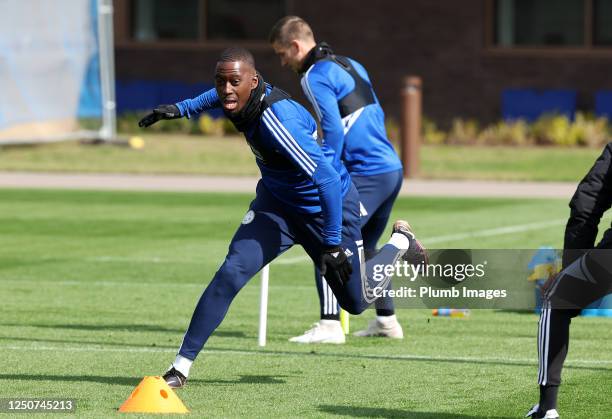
(288,142)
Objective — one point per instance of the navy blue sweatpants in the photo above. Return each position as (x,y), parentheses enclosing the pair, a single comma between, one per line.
(268,229)
(377,194)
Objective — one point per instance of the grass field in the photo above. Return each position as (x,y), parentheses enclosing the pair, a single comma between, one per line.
(165,153)
(98,287)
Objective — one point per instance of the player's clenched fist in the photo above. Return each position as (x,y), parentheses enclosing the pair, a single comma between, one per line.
(335,265)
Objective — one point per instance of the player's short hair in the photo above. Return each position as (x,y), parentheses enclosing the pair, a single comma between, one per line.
(288,29)
(232,54)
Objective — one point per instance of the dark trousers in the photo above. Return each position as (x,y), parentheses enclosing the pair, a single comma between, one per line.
(584,281)
(268,230)
(377,194)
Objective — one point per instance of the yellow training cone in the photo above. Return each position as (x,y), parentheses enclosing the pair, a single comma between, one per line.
(153,395)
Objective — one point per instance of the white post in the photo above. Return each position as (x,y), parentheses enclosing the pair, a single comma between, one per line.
(107,69)
(263,305)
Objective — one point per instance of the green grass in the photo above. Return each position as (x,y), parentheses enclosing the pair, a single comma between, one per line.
(507,163)
(163,153)
(181,154)
(98,287)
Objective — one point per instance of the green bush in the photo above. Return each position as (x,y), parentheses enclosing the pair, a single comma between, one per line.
(206,125)
(209,126)
(551,129)
(590,131)
(128,122)
(585,130)
(431,133)
(393,130)
(506,133)
(228,127)
(463,132)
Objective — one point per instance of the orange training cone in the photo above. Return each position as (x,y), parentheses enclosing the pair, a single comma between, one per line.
(153,395)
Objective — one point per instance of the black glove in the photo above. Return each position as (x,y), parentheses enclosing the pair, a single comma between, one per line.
(335,266)
(160,112)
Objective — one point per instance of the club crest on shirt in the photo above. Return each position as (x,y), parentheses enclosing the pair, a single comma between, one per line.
(248,217)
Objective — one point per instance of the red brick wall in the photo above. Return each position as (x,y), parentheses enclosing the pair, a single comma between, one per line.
(443,41)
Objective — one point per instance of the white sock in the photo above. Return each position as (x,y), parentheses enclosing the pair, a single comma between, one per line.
(386,319)
(399,241)
(182,365)
(329,322)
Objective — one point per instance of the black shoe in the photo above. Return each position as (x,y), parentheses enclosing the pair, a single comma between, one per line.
(416,253)
(174,378)
(537,413)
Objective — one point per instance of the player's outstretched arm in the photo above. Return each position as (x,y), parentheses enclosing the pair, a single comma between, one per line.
(188,107)
(204,102)
(160,112)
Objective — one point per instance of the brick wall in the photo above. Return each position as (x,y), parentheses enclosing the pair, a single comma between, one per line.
(443,41)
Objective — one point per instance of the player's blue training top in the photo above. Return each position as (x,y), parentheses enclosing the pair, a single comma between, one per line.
(294,168)
(351,118)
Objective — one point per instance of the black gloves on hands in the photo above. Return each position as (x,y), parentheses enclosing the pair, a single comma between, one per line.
(160,112)
(335,266)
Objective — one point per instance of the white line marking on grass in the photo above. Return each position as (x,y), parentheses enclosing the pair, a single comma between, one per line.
(129,283)
(492,232)
(492,360)
(291,260)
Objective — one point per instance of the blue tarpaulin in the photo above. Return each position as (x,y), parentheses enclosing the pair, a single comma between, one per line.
(530,104)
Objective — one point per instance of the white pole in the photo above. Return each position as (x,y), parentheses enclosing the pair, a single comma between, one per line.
(263,305)
(107,69)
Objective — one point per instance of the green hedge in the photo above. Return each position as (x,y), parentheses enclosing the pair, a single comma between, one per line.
(205,125)
(585,131)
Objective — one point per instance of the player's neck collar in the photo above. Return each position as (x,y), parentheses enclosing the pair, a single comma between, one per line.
(318,52)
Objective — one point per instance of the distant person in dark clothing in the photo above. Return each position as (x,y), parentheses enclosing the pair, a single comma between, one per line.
(585,278)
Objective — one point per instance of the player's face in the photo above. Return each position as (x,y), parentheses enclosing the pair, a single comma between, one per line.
(289,55)
(234,81)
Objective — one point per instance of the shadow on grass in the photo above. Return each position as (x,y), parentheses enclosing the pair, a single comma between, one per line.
(529,313)
(102,344)
(374,412)
(154,347)
(247,379)
(133,381)
(122,381)
(126,328)
(404,358)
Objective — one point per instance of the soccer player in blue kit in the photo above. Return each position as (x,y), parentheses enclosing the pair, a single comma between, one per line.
(352,123)
(305,196)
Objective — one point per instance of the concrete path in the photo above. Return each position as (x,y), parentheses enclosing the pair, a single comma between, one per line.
(176,183)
